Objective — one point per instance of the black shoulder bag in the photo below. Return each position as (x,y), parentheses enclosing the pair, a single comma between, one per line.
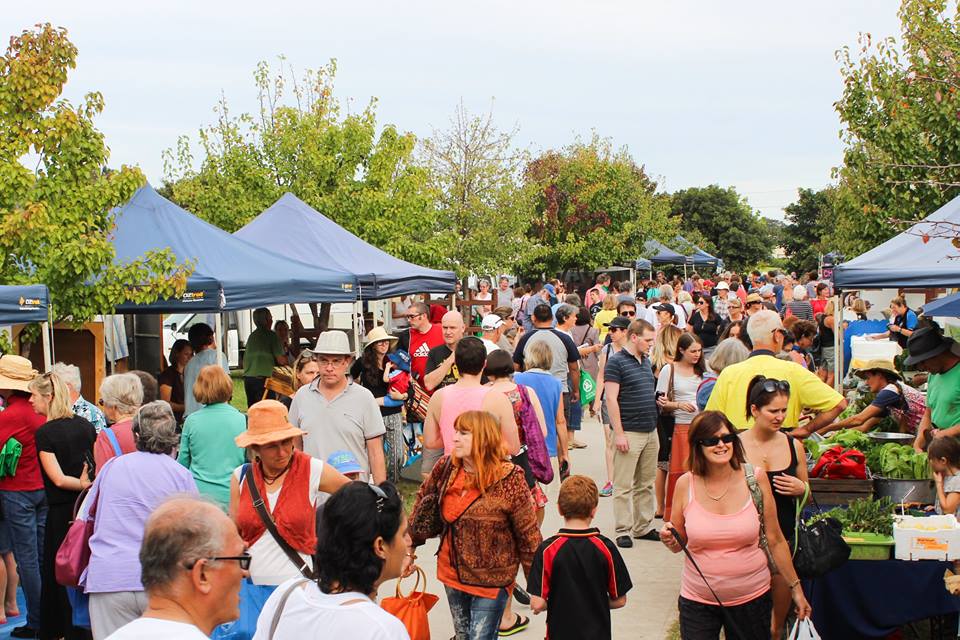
(302,566)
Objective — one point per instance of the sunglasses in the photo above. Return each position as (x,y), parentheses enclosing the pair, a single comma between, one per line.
(243,560)
(628,314)
(769,385)
(727,438)
(613,329)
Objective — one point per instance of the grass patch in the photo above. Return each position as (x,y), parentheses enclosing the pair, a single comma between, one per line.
(408,491)
(239,399)
(674,632)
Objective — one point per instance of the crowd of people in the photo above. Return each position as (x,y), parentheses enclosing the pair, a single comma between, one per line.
(210,523)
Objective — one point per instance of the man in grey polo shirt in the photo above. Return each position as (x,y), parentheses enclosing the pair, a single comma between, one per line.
(566,358)
(338,414)
(630,392)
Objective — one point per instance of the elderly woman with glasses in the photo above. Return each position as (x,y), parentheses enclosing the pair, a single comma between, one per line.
(127,490)
(121,395)
(280,488)
(724,513)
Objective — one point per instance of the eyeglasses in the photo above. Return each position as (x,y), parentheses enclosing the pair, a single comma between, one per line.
(243,560)
(769,385)
(727,438)
(628,314)
(411,316)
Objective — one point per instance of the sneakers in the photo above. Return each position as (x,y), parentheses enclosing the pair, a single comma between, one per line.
(624,542)
(607,490)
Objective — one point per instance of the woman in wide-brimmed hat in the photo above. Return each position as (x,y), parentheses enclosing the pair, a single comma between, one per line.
(289,482)
(893,398)
(373,371)
(21,494)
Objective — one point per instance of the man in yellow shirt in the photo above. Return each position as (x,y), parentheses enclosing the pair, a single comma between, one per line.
(807,391)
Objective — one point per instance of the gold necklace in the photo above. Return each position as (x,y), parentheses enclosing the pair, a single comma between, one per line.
(722,495)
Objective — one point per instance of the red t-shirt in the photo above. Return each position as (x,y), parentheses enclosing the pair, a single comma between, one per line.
(819,305)
(103,449)
(420,345)
(21,422)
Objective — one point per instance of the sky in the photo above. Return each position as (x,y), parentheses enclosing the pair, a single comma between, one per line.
(732,93)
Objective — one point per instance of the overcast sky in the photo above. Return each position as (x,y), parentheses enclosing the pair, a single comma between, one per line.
(735,93)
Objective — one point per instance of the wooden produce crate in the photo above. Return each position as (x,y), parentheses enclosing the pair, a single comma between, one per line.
(840,492)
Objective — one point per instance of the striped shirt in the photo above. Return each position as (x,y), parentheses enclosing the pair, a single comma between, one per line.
(637,398)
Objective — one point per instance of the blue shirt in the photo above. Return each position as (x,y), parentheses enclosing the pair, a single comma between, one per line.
(90,412)
(548,390)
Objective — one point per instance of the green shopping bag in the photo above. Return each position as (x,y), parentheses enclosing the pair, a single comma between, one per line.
(588,388)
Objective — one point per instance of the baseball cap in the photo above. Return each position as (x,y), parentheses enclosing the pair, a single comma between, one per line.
(665,307)
(491,322)
(344,462)
(618,322)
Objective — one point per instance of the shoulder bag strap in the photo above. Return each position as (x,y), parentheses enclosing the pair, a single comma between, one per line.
(261,507)
(283,602)
(114,442)
(670,394)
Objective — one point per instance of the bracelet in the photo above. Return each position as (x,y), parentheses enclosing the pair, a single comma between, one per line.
(794,583)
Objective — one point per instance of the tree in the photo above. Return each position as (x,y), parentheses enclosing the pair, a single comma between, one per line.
(738,233)
(808,220)
(56,219)
(595,207)
(901,117)
(482,199)
(336,163)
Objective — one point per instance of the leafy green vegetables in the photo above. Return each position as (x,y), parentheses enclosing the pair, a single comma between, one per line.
(865,515)
(889,460)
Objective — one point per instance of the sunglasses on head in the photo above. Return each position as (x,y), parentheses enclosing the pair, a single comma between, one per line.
(769,385)
(727,438)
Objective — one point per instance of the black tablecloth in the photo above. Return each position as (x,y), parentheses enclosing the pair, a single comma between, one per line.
(871,598)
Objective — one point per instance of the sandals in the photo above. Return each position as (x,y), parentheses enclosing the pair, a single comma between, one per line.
(519,625)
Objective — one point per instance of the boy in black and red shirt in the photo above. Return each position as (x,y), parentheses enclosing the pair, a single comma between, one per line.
(578,575)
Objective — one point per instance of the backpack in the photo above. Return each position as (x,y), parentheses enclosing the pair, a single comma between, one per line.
(913,404)
(537,452)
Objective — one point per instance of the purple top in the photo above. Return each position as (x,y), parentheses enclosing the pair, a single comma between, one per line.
(131,487)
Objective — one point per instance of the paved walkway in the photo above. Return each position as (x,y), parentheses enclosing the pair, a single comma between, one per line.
(651,604)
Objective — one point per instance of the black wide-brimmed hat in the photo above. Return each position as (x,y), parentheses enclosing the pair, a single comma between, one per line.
(926,343)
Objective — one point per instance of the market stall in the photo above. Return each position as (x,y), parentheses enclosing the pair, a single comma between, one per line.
(24,304)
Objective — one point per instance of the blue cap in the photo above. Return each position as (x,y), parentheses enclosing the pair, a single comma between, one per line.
(401,359)
(344,462)
(549,287)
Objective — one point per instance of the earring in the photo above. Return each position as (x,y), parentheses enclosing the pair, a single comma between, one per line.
(256,459)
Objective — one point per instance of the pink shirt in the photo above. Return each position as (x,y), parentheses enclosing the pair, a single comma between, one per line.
(457,400)
(727,548)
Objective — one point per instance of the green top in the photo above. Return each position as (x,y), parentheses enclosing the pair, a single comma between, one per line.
(259,358)
(943,398)
(208,450)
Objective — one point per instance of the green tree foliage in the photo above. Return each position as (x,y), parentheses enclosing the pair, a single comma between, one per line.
(738,234)
(302,142)
(485,207)
(808,221)
(901,115)
(58,194)
(594,207)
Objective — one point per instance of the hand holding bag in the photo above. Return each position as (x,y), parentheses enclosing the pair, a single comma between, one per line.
(73,556)
(818,547)
(412,609)
(803,630)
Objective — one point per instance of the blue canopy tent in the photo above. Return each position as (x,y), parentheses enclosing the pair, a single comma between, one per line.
(948,307)
(906,260)
(295,228)
(229,273)
(23,304)
(658,253)
(698,257)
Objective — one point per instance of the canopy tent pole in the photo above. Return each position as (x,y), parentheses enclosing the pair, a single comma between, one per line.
(358,322)
(221,333)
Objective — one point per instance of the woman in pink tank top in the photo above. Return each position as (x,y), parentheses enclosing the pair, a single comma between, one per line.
(713,510)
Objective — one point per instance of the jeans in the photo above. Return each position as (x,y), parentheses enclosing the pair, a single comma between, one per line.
(634,473)
(26,515)
(700,621)
(254,387)
(476,618)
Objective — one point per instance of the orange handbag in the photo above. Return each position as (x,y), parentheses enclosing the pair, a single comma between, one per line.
(412,609)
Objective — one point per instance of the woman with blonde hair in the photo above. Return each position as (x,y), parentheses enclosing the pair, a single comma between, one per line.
(206,444)
(487,522)
(607,313)
(65,448)
(665,346)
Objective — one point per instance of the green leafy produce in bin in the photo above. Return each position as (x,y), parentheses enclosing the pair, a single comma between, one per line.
(898,462)
(866,515)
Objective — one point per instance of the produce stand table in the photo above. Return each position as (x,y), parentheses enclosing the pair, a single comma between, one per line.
(869,599)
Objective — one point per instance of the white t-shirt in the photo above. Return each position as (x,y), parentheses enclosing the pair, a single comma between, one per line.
(156,629)
(684,390)
(490,345)
(270,565)
(311,613)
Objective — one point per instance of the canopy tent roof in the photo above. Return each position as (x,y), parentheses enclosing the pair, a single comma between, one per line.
(658,253)
(293,227)
(229,273)
(699,257)
(22,304)
(948,307)
(906,260)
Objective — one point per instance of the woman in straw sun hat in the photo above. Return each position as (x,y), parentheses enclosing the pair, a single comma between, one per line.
(21,495)
(373,371)
(288,483)
(893,398)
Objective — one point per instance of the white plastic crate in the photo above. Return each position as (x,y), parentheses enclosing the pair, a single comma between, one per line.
(926,538)
(863,350)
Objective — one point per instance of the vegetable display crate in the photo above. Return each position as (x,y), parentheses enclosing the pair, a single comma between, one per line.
(868,546)
(839,492)
(926,538)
